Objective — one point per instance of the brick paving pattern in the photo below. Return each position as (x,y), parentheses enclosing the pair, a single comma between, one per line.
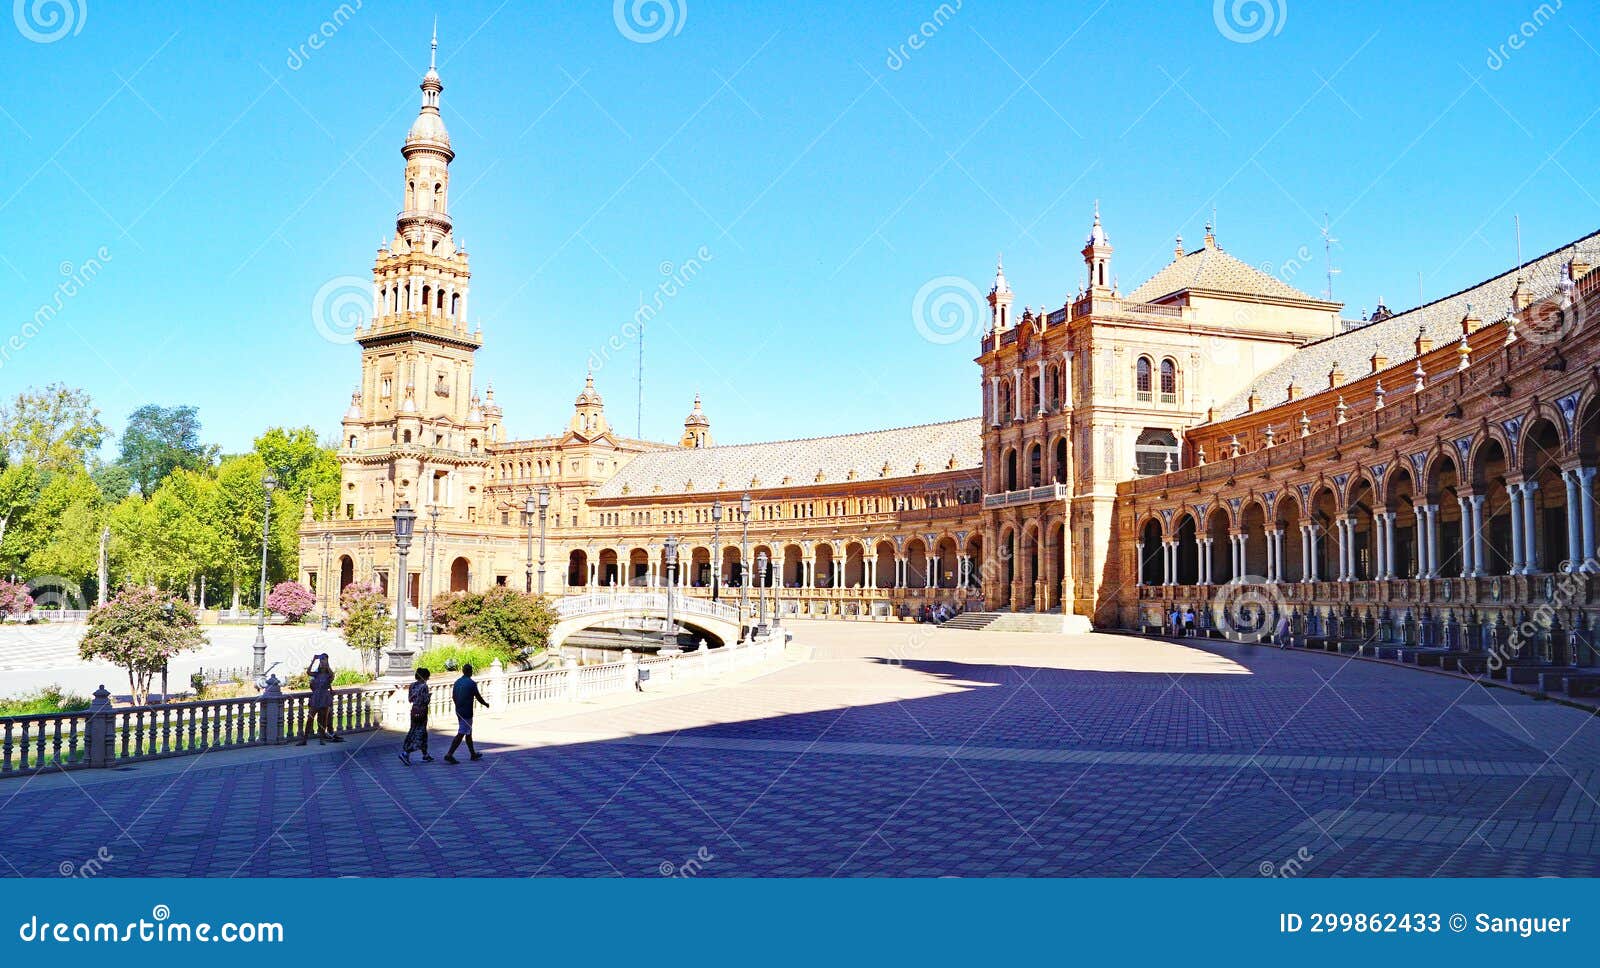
(976,754)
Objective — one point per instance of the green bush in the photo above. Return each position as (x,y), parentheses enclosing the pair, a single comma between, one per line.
(480,657)
(344,677)
(510,623)
(50,699)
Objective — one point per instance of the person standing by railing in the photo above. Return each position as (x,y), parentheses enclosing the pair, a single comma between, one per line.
(465,693)
(320,708)
(417,737)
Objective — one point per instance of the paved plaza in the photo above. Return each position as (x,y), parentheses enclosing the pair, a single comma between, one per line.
(894,750)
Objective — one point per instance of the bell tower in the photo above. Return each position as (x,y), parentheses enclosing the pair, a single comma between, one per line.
(696,427)
(416,397)
(1097,256)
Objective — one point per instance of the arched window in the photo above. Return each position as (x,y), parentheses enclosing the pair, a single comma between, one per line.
(1011,470)
(1061,461)
(1055,388)
(1005,403)
(1141,379)
(438,197)
(1035,466)
(439,300)
(427,297)
(1169,381)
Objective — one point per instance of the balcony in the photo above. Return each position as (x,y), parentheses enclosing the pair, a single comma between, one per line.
(1032,495)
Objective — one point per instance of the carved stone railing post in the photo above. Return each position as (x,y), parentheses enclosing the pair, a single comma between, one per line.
(497,688)
(100,730)
(272,701)
(571,666)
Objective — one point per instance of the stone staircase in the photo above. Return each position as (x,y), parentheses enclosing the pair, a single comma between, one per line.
(1018,622)
(972,621)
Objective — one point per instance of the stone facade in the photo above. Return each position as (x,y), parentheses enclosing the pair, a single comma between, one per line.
(1437,488)
(1201,414)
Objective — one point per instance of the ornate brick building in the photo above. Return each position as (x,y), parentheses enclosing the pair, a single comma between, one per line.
(1133,450)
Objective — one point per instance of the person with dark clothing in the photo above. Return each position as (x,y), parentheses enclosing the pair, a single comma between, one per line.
(320,708)
(465,693)
(417,736)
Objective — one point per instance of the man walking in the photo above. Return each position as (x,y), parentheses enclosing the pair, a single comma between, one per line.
(465,693)
(417,736)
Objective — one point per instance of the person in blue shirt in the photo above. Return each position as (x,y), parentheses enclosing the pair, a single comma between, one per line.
(465,693)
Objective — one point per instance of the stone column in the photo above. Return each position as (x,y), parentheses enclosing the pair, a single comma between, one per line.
(1479,552)
(994,401)
(1514,491)
(1421,540)
(1530,534)
(1138,563)
(1466,535)
(1586,502)
(1339,525)
(1041,410)
(1314,562)
(1378,547)
(1018,400)
(1166,562)
(1569,477)
(1305,552)
(1433,540)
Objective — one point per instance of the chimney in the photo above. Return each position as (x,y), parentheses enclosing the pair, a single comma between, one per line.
(1253,401)
(1335,376)
(1294,391)
(1423,343)
(1379,361)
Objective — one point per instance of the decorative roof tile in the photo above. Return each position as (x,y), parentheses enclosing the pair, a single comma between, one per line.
(1394,340)
(1210,268)
(955,444)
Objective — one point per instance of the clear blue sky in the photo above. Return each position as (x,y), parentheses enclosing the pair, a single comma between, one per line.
(828,184)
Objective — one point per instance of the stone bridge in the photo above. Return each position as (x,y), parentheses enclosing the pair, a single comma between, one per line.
(718,623)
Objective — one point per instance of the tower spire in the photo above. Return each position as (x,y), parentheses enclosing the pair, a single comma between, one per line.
(433,54)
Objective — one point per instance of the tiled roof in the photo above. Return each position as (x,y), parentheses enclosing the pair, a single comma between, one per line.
(1209,267)
(1395,337)
(953,445)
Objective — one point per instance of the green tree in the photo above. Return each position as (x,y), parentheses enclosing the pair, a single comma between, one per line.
(302,466)
(160,440)
(366,626)
(181,533)
(19,490)
(140,630)
(57,427)
(113,480)
(64,528)
(236,516)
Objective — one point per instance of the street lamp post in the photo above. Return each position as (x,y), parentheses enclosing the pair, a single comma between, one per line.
(544,510)
(761,592)
(427,584)
(744,560)
(327,563)
(258,661)
(405,522)
(669,638)
(528,509)
(716,548)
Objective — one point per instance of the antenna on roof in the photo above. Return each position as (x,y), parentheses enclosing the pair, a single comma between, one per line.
(1516,224)
(1419,288)
(1328,242)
